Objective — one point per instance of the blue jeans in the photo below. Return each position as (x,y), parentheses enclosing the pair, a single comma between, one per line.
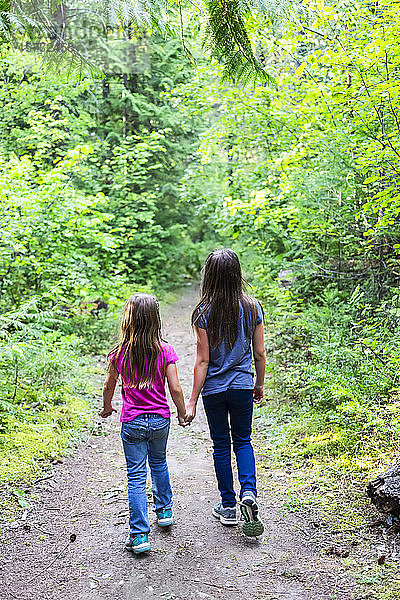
(229,416)
(146,438)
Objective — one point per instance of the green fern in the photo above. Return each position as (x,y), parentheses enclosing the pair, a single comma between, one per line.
(14,19)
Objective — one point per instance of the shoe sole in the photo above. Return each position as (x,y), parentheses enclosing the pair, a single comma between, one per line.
(223,520)
(165,522)
(253,529)
(252,526)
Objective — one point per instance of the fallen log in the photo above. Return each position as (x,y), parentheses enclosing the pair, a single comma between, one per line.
(384,491)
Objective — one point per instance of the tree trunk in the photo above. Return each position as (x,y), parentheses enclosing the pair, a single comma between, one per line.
(384,491)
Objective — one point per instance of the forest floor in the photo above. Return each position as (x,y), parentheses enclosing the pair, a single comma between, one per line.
(198,558)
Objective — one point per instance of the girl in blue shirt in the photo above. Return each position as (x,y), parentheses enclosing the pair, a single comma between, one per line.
(230,332)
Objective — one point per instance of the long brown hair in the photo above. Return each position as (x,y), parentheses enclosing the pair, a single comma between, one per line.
(222,293)
(141,341)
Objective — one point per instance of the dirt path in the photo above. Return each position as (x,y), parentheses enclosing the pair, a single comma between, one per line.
(197,559)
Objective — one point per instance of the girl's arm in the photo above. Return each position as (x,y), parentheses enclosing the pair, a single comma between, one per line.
(200,371)
(108,392)
(176,392)
(259,362)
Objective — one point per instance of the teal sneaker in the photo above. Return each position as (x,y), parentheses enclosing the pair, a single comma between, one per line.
(252,526)
(165,518)
(226,515)
(138,543)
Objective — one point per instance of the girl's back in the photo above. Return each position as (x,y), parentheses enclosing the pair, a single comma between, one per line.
(230,318)
(231,367)
(139,399)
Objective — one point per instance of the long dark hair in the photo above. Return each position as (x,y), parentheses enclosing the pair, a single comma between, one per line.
(222,293)
(140,341)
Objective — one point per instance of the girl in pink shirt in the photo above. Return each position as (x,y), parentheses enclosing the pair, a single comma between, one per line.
(144,361)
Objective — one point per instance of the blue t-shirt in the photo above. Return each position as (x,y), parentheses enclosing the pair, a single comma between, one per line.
(231,368)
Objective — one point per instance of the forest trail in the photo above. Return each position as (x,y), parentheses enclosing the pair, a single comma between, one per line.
(197,559)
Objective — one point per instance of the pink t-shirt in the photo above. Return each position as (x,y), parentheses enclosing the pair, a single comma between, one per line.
(152,400)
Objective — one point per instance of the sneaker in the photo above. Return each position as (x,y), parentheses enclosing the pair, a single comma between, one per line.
(138,543)
(252,526)
(165,517)
(227,515)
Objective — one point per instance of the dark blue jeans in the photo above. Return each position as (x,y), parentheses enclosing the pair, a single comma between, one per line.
(229,416)
(145,438)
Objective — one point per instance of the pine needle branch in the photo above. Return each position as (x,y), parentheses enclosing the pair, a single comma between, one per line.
(229,41)
(52,25)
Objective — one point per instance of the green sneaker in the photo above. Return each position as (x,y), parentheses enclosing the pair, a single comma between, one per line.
(138,543)
(165,518)
(252,526)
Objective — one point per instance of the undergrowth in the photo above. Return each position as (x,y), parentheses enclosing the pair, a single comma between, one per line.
(331,421)
(47,398)
(333,370)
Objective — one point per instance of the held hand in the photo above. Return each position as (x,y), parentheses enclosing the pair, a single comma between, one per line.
(190,412)
(258,394)
(182,420)
(107,411)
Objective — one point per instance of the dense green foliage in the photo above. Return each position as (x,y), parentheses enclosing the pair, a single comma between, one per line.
(106,157)
(308,189)
(90,210)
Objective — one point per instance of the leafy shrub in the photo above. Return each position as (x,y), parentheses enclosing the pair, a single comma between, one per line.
(342,364)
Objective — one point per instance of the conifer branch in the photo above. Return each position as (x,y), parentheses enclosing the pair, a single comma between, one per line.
(47,22)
